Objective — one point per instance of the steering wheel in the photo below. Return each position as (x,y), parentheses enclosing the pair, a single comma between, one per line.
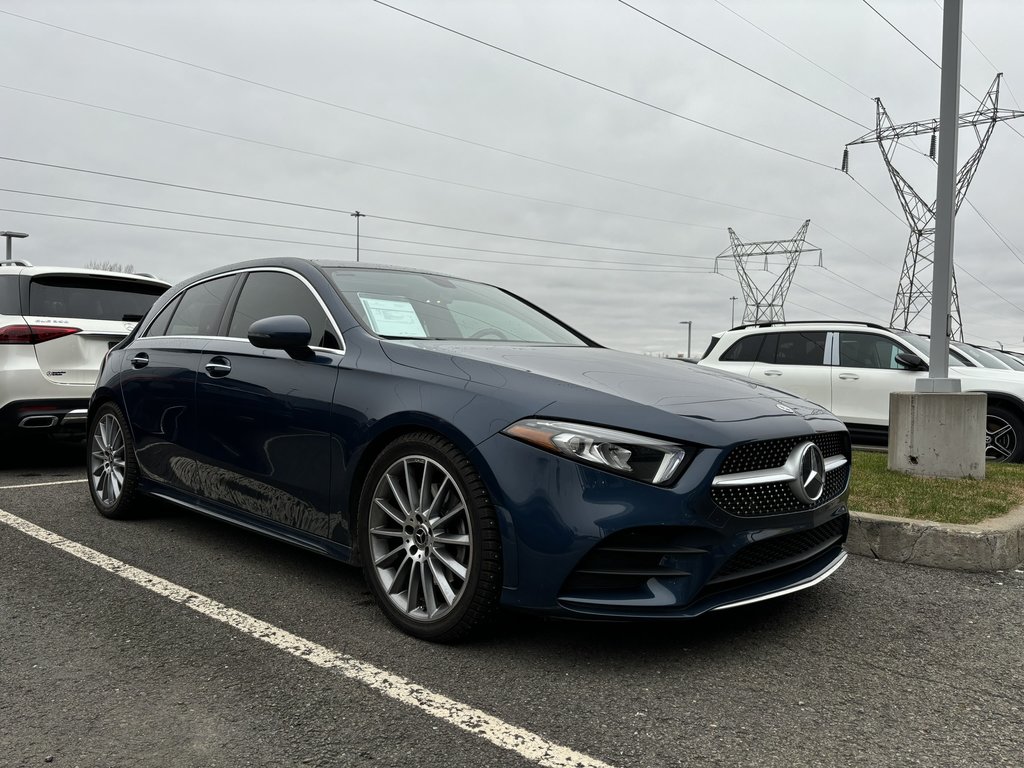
(484,333)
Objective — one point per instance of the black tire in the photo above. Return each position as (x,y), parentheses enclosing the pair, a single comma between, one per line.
(1004,435)
(443,545)
(113,472)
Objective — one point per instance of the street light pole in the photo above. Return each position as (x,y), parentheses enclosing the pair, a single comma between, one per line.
(9,236)
(689,329)
(357,216)
(732,317)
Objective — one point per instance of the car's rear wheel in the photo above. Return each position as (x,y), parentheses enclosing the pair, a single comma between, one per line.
(1004,435)
(113,470)
(429,539)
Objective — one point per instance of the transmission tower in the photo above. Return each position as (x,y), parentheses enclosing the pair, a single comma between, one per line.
(914,293)
(766,306)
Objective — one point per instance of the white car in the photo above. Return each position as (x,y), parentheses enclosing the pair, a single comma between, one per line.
(850,368)
(56,325)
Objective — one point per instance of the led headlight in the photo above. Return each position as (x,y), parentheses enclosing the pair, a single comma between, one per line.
(642,458)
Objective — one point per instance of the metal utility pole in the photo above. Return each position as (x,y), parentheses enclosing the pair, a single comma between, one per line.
(766,306)
(689,330)
(9,236)
(357,216)
(914,294)
(732,320)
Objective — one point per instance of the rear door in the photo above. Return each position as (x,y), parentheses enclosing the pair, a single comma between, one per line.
(796,361)
(158,381)
(266,416)
(103,310)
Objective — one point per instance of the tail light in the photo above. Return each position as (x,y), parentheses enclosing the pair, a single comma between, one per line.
(34,334)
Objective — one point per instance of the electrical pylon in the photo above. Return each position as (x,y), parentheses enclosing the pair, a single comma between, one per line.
(768,305)
(914,293)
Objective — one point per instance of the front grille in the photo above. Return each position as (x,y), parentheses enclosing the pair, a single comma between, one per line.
(766,454)
(780,551)
(625,561)
(760,499)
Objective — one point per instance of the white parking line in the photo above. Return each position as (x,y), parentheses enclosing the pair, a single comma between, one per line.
(525,743)
(40,485)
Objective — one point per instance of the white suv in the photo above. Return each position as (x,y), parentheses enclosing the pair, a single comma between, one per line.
(56,325)
(850,368)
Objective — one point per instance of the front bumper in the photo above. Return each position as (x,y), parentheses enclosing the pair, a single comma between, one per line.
(582,542)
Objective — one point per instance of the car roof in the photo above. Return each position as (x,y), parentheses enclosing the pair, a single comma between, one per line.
(23,268)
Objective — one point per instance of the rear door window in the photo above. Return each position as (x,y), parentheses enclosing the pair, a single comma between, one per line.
(801,348)
(91,298)
(201,308)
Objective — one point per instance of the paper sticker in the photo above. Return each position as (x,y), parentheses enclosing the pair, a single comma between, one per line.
(390,317)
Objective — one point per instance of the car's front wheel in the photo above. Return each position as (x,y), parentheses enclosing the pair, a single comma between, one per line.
(110,459)
(429,539)
(1004,435)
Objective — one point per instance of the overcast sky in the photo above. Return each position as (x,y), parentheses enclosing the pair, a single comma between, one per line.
(551,145)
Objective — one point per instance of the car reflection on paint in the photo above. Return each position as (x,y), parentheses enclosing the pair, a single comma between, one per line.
(465,448)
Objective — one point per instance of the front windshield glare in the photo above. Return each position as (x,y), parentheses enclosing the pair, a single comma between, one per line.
(411,305)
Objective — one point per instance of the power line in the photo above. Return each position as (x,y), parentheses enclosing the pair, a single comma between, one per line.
(671,270)
(743,66)
(337,232)
(793,50)
(326,209)
(336,158)
(393,121)
(605,88)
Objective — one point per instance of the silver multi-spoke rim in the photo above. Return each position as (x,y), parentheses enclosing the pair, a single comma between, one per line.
(1000,439)
(420,538)
(106,460)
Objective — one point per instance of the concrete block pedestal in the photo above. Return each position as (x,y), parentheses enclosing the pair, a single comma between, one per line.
(937,434)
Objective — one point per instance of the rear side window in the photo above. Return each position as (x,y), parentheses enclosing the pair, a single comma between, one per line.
(745,350)
(801,348)
(269,294)
(201,307)
(10,301)
(159,326)
(91,298)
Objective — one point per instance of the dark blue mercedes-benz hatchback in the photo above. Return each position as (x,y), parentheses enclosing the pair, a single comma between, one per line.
(465,448)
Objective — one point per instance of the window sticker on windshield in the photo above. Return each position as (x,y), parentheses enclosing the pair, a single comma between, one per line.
(393,318)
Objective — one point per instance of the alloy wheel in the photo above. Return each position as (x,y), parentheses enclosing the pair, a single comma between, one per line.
(420,538)
(1000,439)
(107,459)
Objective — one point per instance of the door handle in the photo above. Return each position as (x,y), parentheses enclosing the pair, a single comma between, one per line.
(849,376)
(141,360)
(773,373)
(218,366)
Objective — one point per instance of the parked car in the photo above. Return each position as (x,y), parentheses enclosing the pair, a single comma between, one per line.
(851,368)
(56,324)
(466,448)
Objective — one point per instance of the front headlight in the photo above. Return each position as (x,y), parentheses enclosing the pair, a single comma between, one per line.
(642,458)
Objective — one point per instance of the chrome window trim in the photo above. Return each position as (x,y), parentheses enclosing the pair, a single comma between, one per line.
(284,270)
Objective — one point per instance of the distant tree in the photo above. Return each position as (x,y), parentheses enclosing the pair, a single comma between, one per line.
(111,266)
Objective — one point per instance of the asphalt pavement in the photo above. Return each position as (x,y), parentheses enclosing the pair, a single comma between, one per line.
(884,664)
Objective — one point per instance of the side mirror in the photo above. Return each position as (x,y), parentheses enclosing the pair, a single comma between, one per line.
(288,332)
(911,362)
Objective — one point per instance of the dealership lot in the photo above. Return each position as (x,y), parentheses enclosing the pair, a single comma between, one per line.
(881,665)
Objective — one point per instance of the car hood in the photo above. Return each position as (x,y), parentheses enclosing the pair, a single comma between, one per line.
(604,385)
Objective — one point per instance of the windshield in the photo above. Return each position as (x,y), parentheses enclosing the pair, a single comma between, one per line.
(1010,360)
(981,357)
(411,305)
(923,348)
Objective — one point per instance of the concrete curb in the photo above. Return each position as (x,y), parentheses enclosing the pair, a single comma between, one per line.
(993,545)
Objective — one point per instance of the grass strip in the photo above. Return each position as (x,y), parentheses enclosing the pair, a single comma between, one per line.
(873,488)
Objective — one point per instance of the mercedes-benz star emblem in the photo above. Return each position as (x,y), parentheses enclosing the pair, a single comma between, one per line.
(809,463)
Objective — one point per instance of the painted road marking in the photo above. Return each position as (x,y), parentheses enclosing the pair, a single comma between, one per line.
(525,743)
(40,485)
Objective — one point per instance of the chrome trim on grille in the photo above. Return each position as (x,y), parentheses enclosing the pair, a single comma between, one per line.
(781,474)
